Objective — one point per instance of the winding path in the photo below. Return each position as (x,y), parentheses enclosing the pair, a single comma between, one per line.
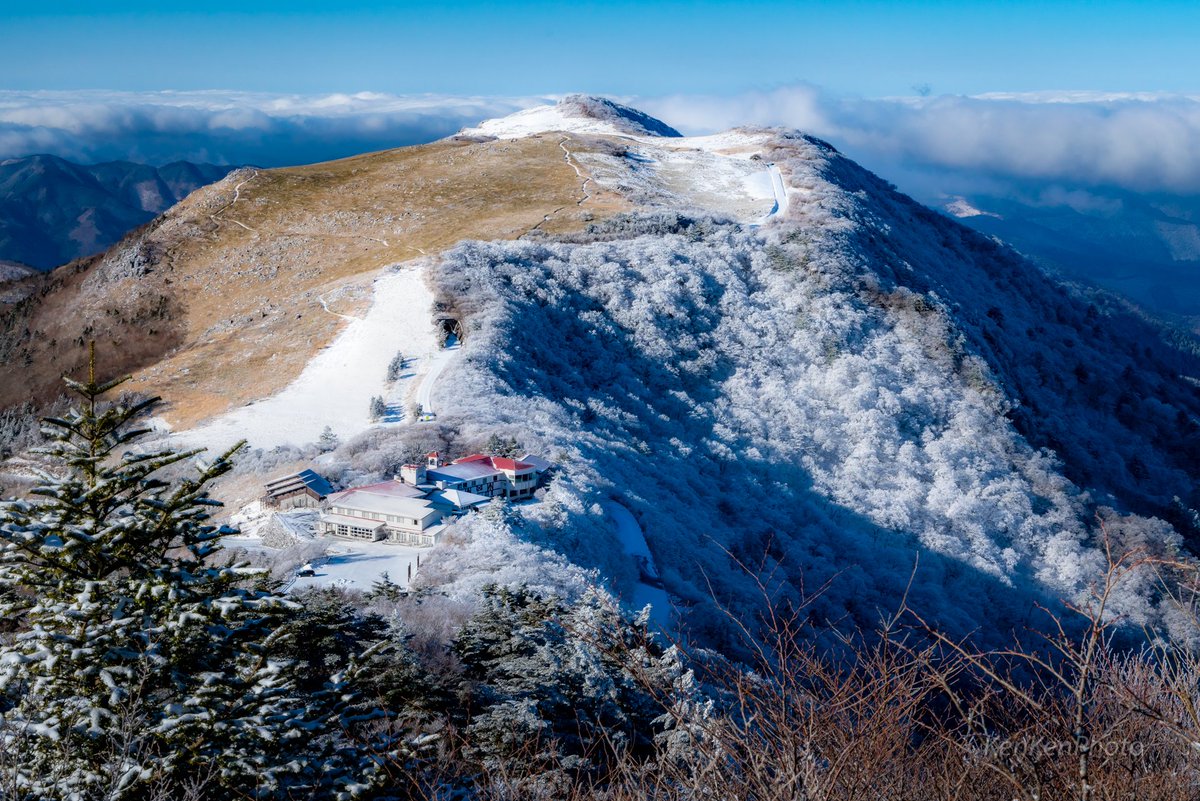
(569,158)
(325,306)
(237,195)
(584,197)
(433,369)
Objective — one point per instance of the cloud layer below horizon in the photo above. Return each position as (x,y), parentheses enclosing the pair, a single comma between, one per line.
(927,145)
(267,130)
(1138,142)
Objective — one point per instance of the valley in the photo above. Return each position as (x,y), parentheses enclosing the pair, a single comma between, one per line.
(53,211)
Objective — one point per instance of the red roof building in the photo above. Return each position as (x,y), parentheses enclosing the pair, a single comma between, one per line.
(493,476)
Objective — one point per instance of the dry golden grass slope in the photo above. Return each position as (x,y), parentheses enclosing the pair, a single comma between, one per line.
(218,302)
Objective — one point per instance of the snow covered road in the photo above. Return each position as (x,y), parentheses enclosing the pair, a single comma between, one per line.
(433,366)
(779,189)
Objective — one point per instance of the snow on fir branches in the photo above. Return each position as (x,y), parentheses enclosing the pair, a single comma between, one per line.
(137,660)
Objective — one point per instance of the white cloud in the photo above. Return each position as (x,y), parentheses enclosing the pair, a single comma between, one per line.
(1138,141)
(1141,142)
(235,127)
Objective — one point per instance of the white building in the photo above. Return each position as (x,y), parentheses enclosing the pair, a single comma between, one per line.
(389,510)
(411,509)
(490,476)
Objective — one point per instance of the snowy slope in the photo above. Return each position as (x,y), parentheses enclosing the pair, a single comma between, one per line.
(716,173)
(539,120)
(575,114)
(336,387)
(862,386)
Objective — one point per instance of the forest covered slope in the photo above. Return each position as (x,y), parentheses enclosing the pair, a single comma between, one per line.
(813,409)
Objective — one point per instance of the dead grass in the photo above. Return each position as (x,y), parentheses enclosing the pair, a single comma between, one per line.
(236,285)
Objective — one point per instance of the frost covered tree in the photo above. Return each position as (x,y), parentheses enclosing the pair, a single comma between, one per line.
(136,661)
(378,407)
(566,684)
(396,367)
(503,446)
(328,440)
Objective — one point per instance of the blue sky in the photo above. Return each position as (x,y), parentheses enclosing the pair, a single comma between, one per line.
(868,49)
(940,97)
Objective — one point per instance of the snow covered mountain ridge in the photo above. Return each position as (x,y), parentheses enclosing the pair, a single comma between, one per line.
(941,390)
(761,350)
(576,114)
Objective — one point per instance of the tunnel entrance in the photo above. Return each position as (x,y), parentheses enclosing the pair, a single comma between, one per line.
(448,327)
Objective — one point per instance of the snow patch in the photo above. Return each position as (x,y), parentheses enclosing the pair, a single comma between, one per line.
(251,519)
(717,173)
(336,387)
(358,565)
(727,184)
(542,119)
(959,207)
(578,114)
(648,591)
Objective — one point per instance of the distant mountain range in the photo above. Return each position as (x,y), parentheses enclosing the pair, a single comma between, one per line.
(1146,247)
(53,210)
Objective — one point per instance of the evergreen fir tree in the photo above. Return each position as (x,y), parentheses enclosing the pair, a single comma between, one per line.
(501,446)
(562,684)
(138,660)
(384,588)
(396,367)
(328,440)
(500,510)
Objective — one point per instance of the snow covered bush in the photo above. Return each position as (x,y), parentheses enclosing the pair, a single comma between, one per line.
(1113,393)
(548,681)
(137,660)
(774,401)
(378,407)
(378,453)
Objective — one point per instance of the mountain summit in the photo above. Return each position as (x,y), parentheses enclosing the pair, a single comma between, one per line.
(577,114)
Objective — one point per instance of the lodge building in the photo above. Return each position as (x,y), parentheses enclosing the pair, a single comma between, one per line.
(414,508)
